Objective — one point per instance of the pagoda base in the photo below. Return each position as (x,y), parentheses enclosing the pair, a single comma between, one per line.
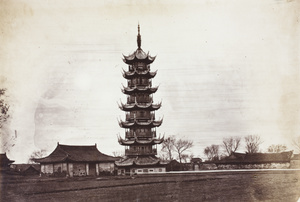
(135,165)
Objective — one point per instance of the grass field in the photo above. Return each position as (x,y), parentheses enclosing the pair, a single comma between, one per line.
(273,185)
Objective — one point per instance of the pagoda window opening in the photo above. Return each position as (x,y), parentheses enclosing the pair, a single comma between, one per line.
(130,68)
(140,65)
(134,81)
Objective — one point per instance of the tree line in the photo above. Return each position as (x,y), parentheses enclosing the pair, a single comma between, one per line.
(232,144)
(173,148)
(172,145)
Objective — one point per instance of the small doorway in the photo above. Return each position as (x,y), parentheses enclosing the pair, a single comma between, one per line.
(92,169)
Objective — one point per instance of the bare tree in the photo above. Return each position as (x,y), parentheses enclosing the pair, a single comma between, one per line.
(163,156)
(191,156)
(181,146)
(3,108)
(276,148)
(168,146)
(185,157)
(296,143)
(36,155)
(208,153)
(231,144)
(252,143)
(212,152)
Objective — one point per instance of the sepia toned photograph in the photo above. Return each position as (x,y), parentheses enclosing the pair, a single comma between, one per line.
(150,100)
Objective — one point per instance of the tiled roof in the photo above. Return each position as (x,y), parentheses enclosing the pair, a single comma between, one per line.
(68,153)
(138,55)
(24,167)
(258,158)
(4,159)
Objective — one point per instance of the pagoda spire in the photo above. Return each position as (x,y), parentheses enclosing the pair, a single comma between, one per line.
(139,40)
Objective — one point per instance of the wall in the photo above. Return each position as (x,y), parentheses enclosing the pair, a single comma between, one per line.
(79,169)
(106,167)
(295,164)
(47,168)
(60,167)
(208,166)
(255,166)
(147,170)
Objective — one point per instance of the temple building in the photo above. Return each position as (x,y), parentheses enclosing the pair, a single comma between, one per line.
(4,163)
(73,160)
(140,124)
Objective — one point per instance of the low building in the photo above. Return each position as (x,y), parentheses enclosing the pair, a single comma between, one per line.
(26,169)
(255,160)
(4,162)
(70,160)
(196,163)
(173,166)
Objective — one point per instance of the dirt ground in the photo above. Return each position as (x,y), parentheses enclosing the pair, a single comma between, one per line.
(220,186)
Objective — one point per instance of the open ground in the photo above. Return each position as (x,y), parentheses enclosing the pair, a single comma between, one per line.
(266,185)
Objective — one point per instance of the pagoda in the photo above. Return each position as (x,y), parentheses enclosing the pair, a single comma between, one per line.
(140,124)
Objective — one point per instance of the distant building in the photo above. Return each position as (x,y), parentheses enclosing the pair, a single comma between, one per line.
(4,162)
(256,160)
(196,163)
(26,169)
(174,166)
(77,161)
(140,124)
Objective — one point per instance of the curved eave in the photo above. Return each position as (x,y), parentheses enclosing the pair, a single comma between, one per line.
(130,75)
(129,91)
(148,163)
(138,161)
(135,106)
(139,142)
(125,124)
(138,56)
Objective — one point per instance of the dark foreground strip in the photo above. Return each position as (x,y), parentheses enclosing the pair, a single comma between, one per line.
(121,185)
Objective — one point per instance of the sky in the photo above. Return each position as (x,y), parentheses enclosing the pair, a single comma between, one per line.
(224,69)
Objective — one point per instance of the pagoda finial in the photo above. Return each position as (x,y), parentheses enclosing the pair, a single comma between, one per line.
(139,40)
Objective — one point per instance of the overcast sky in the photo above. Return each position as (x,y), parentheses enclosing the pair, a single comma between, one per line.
(224,69)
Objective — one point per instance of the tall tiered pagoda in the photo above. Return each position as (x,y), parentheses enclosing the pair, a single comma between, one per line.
(140,125)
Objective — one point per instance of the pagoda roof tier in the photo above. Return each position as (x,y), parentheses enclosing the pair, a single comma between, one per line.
(136,89)
(136,141)
(137,106)
(135,73)
(152,123)
(140,161)
(138,56)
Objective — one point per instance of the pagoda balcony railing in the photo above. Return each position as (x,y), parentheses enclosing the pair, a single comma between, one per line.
(129,152)
(142,118)
(130,134)
(141,101)
(143,83)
